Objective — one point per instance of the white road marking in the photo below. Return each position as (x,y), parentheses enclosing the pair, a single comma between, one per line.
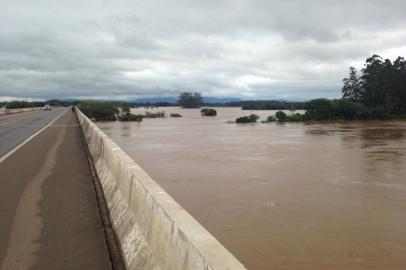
(12,151)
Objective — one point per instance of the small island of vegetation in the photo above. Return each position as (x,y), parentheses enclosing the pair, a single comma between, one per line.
(247,119)
(208,112)
(153,114)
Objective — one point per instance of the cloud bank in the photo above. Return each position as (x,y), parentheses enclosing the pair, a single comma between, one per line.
(253,49)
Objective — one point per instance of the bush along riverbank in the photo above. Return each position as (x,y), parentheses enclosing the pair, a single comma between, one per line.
(338,109)
(112,111)
(100,111)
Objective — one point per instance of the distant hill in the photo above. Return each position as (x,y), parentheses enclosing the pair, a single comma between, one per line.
(173,100)
(154,100)
(220,100)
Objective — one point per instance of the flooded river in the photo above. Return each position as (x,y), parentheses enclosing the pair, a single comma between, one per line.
(282,196)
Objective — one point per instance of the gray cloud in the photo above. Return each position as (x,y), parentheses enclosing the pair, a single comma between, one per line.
(243,48)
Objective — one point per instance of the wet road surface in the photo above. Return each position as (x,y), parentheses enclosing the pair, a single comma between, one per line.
(15,128)
(48,209)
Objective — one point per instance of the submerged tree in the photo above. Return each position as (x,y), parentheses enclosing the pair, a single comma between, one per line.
(190,100)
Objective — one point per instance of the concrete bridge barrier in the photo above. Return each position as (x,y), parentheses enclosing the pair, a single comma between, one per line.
(154,231)
(19,110)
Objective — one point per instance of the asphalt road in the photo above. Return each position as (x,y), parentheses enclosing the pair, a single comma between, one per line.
(15,128)
(49,218)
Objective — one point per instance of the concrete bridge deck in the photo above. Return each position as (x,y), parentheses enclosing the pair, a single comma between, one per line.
(49,217)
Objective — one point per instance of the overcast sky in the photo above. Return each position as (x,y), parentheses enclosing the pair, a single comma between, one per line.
(253,49)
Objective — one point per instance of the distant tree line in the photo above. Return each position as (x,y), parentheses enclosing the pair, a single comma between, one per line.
(152,104)
(379,92)
(327,109)
(15,104)
(269,105)
(380,86)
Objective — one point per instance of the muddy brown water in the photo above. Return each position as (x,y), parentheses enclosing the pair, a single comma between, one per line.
(282,196)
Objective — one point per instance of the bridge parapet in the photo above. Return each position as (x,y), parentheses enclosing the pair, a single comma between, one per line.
(154,231)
